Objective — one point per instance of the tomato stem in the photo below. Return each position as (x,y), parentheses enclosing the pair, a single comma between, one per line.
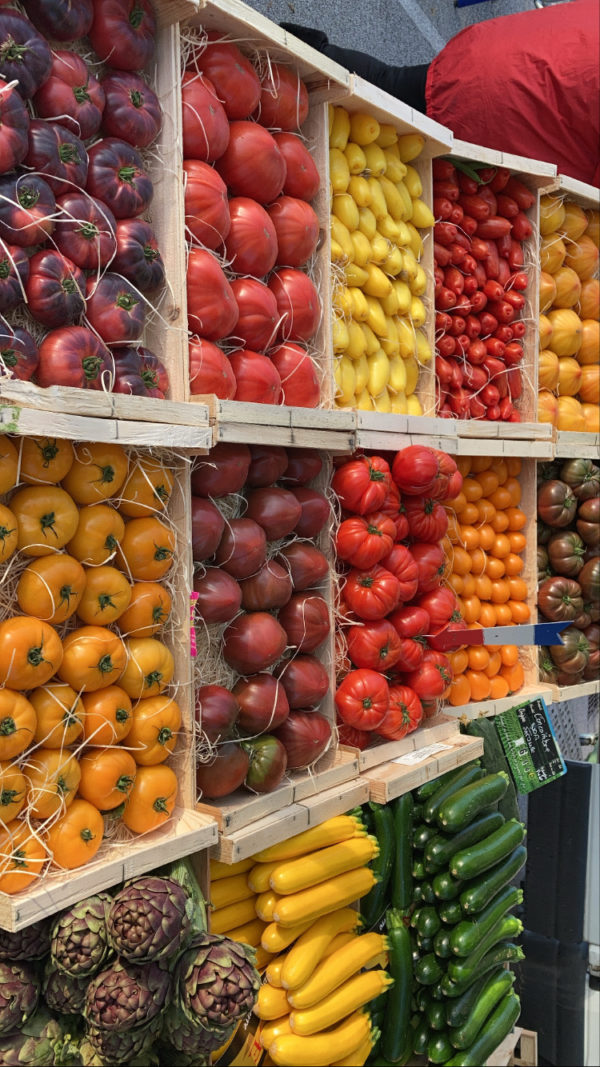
(9,357)
(67,153)
(19,857)
(5,268)
(162,553)
(153,678)
(164,735)
(127,301)
(8,726)
(105,664)
(80,92)
(160,805)
(136,98)
(35,656)
(27,196)
(136,16)
(127,174)
(87,835)
(91,367)
(124,783)
(106,601)
(8,796)
(11,52)
(89,231)
(121,715)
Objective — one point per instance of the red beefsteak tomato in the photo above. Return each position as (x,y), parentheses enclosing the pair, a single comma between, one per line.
(256,324)
(207,217)
(373,593)
(431,564)
(362,699)
(299,379)
(73,355)
(252,164)
(205,124)
(302,176)
(210,370)
(298,304)
(257,378)
(251,243)
(404,714)
(212,308)
(71,95)
(297,229)
(433,676)
(361,484)
(374,645)
(123,33)
(440,604)
(236,82)
(402,565)
(422,471)
(363,542)
(283,103)
(427,518)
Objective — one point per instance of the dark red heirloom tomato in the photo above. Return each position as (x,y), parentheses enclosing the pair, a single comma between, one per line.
(25,56)
(268,464)
(58,154)
(297,229)
(154,372)
(207,217)
(217,710)
(268,589)
(61,20)
(299,379)
(212,308)
(375,645)
(224,471)
(236,82)
(117,177)
(256,376)
(115,310)
(362,699)
(219,595)
(14,272)
(138,256)
(262,701)
(207,528)
(210,370)
(73,355)
(304,465)
(302,176)
(224,772)
(283,101)
(14,129)
(371,594)
(298,304)
(361,484)
(256,325)
(205,124)
(133,363)
(404,714)
(55,289)
(275,509)
(85,230)
(27,209)
(132,110)
(252,164)
(253,642)
(305,680)
(251,244)
(306,736)
(306,564)
(305,619)
(123,33)
(242,549)
(19,354)
(316,511)
(71,95)
(363,542)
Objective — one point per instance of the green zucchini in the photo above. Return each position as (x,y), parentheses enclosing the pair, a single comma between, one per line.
(427,894)
(397,1011)
(436,1015)
(424,945)
(422,997)
(467,934)
(445,887)
(455,781)
(418,870)
(480,891)
(421,1037)
(373,905)
(428,969)
(494,759)
(442,944)
(440,849)
(429,788)
(421,835)
(458,1009)
(496,986)
(473,861)
(465,804)
(437,993)
(439,1048)
(402,880)
(450,912)
(497,1027)
(503,952)
(418,897)
(428,921)
(505,929)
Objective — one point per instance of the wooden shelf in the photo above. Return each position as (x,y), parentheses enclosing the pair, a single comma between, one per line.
(430,731)
(487,709)
(573,692)
(391,780)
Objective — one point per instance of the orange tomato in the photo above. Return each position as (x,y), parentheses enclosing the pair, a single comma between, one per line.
(47,518)
(502,498)
(54,776)
(30,652)
(9,465)
(516,540)
(471,608)
(152,799)
(457,503)
(520,612)
(503,615)
(501,546)
(51,587)
(461,560)
(9,534)
(107,776)
(479,657)
(479,683)
(94,658)
(468,589)
(494,664)
(479,464)
(483,587)
(469,537)
(500,522)
(99,530)
(98,471)
(45,460)
(509,654)
(499,687)
(60,714)
(487,536)
(106,595)
(487,615)
(18,723)
(147,489)
(153,734)
(513,564)
(472,490)
(485,510)
(515,676)
(460,691)
(488,481)
(147,549)
(500,591)
(499,466)
(513,465)
(469,515)
(23,856)
(513,486)
(464,464)
(455,581)
(13,791)
(494,567)
(478,561)
(149,668)
(76,837)
(518,588)
(149,608)
(516,518)
(108,716)
(459,660)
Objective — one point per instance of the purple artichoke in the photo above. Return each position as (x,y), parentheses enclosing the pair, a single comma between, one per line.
(38,1043)
(31,943)
(216,982)
(149,919)
(79,938)
(19,994)
(114,1046)
(63,993)
(124,996)
(189,1040)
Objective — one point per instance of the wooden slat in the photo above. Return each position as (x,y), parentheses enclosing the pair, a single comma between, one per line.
(582,445)
(337,801)
(362,96)
(391,780)
(270,830)
(573,692)
(439,728)
(343,767)
(488,708)
(27,421)
(186,832)
(539,173)
(526,1050)
(100,405)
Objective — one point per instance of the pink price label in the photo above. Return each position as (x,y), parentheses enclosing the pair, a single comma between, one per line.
(193,646)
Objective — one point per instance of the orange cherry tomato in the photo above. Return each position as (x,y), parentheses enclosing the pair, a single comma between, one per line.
(513,465)
(469,537)
(513,487)
(453,531)
(500,522)
(487,615)
(499,466)
(520,612)
(503,615)
(472,490)
(500,591)
(518,588)
(483,587)
(469,515)
(468,586)
(471,608)
(499,687)
(478,561)
(459,661)
(494,567)
(456,582)
(461,560)
(515,676)
(513,564)
(494,664)
(479,464)
(485,510)
(457,503)
(516,540)
(487,536)
(501,499)
(509,654)
(460,691)
(516,518)
(501,546)
(479,657)
(488,481)
(480,684)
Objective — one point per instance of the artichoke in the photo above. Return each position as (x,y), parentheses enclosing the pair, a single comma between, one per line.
(115,1046)
(31,943)
(217,984)
(79,938)
(19,994)
(62,992)
(38,1043)
(149,919)
(191,1041)
(124,996)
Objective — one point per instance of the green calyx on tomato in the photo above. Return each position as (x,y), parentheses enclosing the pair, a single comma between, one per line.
(27,197)
(91,367)
(80,92)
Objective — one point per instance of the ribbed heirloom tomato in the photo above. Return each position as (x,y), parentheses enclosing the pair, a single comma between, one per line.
(132,109)
(232,74)
(71,95)
(433,676)
(362,699)
(363,542)
(207,211)
(372,594)
(362,484)
(204,121)
(123,33)
(374,645)
(404,714)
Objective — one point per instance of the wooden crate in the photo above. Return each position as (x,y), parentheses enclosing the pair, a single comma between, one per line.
(572,692)
(487,709)
(429,732)
(519,1048)
(123,853)
(459,437)
(393,779)
(567,443)
(288,426)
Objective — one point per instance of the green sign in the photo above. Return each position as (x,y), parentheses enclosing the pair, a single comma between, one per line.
(530,744)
